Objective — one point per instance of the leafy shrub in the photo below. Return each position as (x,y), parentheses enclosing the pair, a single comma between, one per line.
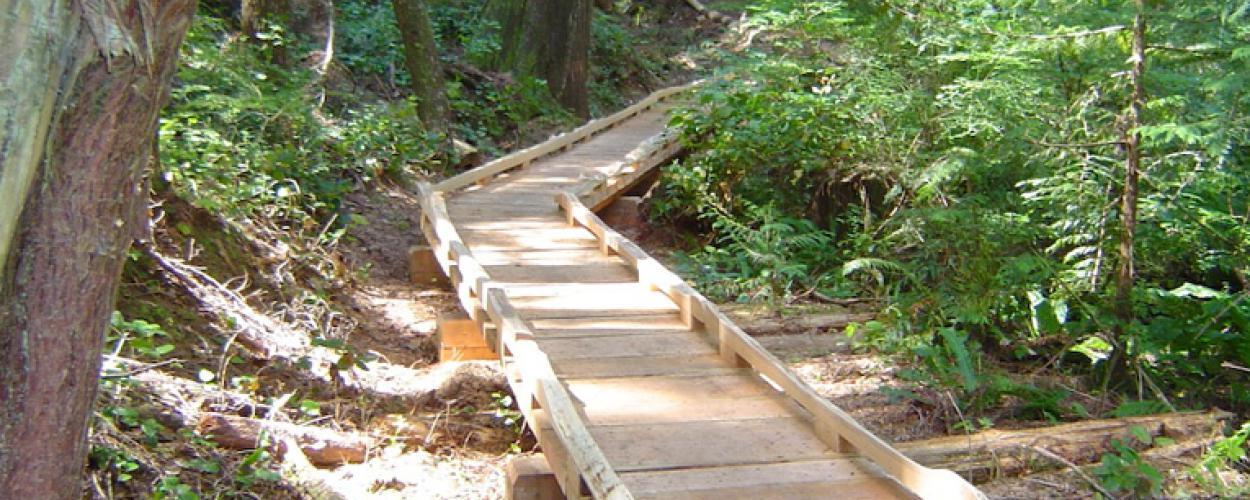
(944,155)
(242,136)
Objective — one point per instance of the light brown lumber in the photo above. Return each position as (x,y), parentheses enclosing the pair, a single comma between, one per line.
(555,144)
(686,343)
(641,366)
(833,426)
(459,338)
(423,267)
(533,372)
(530,478)
(655,446)
(994,453)
(321,446)
(849,478)
(570,273)
(673,399)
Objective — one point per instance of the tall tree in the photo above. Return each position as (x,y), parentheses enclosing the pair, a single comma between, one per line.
(549,39)
(421,58)
(1128,195)
(84,81)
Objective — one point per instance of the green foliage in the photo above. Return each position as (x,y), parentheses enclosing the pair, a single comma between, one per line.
(463,27)
(1224,453)
(136,337)
(770,259)
(964,158)
(117,464)
(1125,471)
(368,40)
(618,58)
(172,487)
(484,111)
(242,136)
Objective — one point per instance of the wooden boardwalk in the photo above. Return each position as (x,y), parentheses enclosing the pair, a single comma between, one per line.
(635,385)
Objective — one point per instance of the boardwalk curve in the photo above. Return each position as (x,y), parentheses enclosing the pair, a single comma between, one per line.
(635,384)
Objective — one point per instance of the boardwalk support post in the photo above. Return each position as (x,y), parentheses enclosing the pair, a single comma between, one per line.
(423,267)
(459,339)
(530,478)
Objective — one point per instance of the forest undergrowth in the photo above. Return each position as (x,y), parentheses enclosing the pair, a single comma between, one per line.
(966,162)
(958,166)
(267,329)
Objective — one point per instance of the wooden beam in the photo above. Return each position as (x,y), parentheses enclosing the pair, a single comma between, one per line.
(557,143)
(459,338)
(529,369)
(838,429)
(530,478)
(424,268)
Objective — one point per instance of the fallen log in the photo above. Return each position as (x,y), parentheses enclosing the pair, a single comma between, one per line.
(997,453)
(322,446)
(802,323)
(264,337)
(181,399)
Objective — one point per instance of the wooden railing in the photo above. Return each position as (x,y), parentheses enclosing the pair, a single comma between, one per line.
(558,143)
(486,301)
(835,427)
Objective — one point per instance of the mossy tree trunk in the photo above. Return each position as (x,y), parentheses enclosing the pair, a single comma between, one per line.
(548,39)
(84,82)
(421,59)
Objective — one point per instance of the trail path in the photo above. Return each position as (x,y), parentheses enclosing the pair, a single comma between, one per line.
(636,385)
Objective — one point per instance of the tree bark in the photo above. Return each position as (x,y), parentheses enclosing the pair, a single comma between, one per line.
(85,81)
(549,39)
(1118,362)
(421,59)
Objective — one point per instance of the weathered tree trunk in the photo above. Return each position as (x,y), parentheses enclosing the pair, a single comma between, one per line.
(84,82)
(1118,362)
(421,58)
(549,39)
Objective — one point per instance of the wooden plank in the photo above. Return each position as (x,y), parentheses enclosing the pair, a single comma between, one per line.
(530,478)
(528,201)
(583,301)
(704,444)
(585,255)
(584,327)
(556,143)
(460,207)
(641,366)
(543,239)
(833,426)
(614,346)
(849,478)
(591,462)
(459,338)
(534,371)
(572,273)
(670,399)
(424,268)
(509,224)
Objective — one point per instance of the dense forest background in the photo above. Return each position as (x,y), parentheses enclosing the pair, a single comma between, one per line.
(1045,207)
